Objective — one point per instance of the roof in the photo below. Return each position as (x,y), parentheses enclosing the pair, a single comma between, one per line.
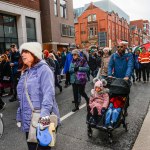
(106,5)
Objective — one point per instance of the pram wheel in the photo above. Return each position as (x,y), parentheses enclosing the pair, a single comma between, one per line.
(90,132)
(126,127)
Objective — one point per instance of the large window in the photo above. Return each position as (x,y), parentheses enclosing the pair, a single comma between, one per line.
(63,9)
(67,30)
(8,32)
(55,8)
(31,29)
(92,18)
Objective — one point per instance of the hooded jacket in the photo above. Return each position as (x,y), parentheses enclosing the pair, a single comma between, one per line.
(41,89)
(122,66)
(99,100)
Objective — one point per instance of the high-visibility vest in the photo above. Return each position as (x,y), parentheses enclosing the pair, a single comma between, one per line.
(144,58)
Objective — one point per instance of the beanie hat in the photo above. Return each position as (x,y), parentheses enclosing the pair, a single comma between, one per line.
(106,49)
(34,47)
(100,83)
(75,51)
(46,52)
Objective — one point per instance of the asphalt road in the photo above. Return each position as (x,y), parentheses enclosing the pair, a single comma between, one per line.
(72,135)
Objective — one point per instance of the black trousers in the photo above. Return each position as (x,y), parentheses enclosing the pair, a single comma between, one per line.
(67,82)
(34,146)
(145,71)
(79,89)
(14,83)
(1,103)
(138,73)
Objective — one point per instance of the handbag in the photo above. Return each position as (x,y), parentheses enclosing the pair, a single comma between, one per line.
(81,77)
(34,121)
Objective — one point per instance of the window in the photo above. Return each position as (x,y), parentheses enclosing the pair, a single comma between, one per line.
(94,17)
(63,9)
(55,8)
(31,30)
(91,32)
(8,31)
(67,30)
(89,18)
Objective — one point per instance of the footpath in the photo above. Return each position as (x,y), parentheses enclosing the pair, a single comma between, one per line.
(143,139)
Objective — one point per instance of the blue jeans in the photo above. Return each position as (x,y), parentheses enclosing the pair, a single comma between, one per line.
(112,115)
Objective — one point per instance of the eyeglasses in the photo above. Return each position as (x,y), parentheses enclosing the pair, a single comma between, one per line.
(74,54)
(120,47)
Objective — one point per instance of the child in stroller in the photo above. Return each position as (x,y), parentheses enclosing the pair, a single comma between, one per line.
(98,103)
(114,110)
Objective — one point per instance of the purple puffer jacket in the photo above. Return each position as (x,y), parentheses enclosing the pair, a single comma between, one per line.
(41,89)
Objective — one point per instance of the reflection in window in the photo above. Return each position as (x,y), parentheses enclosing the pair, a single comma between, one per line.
(55,8)
(8,32)
(94,17)
(67,30)
(89,18)
(63,9)
(31,30)
(9,26)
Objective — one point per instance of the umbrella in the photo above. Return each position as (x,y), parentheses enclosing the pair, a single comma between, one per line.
(147,46)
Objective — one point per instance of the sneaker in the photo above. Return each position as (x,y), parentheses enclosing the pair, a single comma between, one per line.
(110,127)
(137,79)
(12,99)
(3,107)
(104,127)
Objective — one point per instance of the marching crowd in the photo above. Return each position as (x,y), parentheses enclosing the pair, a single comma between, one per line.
(32,71)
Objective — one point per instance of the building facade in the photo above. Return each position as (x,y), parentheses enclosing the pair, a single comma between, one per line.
(141,32)
(20,22)
(57,23)
(98,27)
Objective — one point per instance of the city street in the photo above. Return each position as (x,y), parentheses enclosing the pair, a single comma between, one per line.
(72,135)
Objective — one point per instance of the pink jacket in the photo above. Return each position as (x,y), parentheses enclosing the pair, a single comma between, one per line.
(99,100)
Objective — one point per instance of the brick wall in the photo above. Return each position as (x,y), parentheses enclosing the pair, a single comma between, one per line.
(33,4)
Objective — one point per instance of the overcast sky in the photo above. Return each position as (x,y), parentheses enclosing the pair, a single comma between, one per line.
(136,9)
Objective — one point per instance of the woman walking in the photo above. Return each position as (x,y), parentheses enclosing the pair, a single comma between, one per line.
(39,81)
(104,63)
(78,77)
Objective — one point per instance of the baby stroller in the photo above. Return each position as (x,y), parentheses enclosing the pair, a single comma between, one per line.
(117,87)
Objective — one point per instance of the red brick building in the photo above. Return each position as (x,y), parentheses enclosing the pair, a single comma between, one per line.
(140,32)
(100,28)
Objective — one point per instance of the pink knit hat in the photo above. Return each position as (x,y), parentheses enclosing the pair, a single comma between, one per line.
(100,83)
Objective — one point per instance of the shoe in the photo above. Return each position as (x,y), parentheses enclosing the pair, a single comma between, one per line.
(104,127)
(137,79)
(110,127)
(3,107)
(73,101)
(75,109)
(12,99)
(133,80)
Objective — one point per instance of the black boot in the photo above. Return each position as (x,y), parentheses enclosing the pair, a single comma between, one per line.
(76,108)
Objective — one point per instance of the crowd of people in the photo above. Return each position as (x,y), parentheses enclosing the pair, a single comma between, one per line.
(42,71)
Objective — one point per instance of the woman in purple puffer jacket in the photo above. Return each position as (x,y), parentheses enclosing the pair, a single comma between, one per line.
(40,85)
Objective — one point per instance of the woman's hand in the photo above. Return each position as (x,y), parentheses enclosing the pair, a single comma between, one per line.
(44,122)
(19,124)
